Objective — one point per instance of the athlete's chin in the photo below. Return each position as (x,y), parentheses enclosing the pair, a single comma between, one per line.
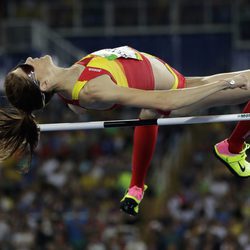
(29,60)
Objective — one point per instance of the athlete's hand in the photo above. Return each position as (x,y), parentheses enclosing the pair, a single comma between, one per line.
(238,81)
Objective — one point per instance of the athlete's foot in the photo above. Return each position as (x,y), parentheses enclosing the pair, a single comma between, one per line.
(131,200)
(236,163)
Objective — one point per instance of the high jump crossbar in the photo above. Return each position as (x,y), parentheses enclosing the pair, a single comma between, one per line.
(138,122)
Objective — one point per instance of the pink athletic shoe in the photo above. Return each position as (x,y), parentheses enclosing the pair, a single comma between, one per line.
(131,200)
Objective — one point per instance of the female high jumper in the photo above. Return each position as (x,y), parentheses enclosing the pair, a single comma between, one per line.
(104,80)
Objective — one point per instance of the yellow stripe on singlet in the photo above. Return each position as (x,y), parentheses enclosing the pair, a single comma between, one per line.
(77,88)
(113,67)
(176,80)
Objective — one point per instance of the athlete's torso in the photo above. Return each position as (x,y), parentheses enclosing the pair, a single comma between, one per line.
(127,68)
(163,78)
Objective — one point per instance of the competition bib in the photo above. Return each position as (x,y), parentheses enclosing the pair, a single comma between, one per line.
(112,54)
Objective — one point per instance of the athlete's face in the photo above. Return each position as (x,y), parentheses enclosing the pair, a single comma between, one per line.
(41,65)
(41,68)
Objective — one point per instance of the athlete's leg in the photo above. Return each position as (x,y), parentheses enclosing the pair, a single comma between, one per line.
(232,151)
(145,138)
(240,133)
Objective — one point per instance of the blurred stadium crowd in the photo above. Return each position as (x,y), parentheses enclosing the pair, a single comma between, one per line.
(69,200)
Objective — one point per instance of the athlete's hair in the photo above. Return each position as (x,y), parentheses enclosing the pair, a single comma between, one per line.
(18,129)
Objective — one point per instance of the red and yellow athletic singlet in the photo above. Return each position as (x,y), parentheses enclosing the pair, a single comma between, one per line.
(127,68)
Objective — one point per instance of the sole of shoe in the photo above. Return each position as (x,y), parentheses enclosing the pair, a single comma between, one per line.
(128,205)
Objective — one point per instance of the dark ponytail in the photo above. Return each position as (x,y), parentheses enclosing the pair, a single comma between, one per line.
(18,133)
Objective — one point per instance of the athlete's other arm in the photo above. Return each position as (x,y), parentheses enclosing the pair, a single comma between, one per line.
(103,89)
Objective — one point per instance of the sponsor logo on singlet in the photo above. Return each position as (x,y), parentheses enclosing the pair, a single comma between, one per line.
(94,69)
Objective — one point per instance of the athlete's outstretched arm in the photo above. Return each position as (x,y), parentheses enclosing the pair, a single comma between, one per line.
(103,89)
(198,80)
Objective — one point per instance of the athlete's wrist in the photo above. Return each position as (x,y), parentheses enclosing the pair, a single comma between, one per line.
(227,83)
